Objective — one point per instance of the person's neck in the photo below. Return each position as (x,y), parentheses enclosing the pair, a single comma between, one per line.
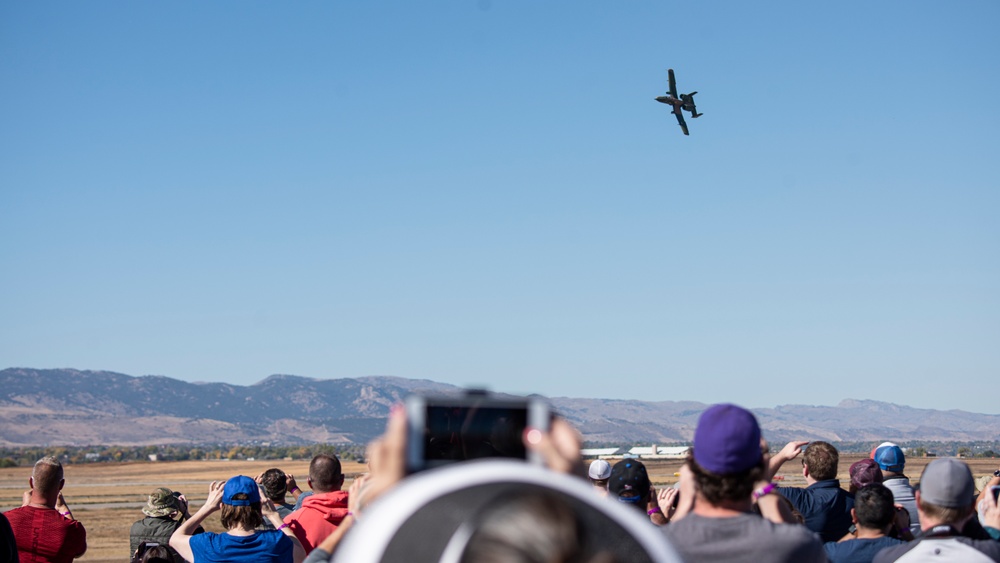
(724,509)
(870,533)
(929,523)
(240,531)
(40,501)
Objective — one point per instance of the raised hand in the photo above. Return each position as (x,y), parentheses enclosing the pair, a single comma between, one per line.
(214,500)
(559,447)
(665,500)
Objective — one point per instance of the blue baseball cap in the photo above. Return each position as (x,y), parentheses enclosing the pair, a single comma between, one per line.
(727,439)
(237,485)
(890,458)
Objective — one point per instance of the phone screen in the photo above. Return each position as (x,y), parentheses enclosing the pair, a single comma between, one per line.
(995,489)
(459,433)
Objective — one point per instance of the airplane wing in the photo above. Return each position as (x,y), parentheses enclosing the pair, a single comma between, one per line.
(673,83)
(680,121)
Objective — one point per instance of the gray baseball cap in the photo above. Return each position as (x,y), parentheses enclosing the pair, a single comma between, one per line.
(947,483)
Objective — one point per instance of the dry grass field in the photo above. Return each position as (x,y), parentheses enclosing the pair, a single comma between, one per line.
(107,497)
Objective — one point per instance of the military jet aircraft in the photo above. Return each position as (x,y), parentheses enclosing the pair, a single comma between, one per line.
(686,102)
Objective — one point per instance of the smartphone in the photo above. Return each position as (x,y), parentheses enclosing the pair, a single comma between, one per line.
(995,491)
(444,430)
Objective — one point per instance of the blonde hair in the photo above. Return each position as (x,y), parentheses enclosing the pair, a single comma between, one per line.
(47,475)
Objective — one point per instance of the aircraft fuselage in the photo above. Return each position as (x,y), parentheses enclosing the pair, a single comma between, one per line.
(669,100)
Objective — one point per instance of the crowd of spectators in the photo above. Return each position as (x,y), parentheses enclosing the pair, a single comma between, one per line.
(726,506)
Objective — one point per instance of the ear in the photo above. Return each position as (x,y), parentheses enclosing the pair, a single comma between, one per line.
(62,482)
(854,517)
(31,483)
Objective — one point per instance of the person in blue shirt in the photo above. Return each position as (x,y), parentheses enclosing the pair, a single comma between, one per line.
(874,515)
(239,499)
(824,505)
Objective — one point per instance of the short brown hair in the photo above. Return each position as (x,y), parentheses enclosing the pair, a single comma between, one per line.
(273,483)
(246,517)
(717,488)
(822,460)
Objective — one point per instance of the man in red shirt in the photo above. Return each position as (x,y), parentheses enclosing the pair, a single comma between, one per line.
(44,528)
(322,511)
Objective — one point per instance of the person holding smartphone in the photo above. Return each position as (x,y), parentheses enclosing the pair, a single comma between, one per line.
(164,512)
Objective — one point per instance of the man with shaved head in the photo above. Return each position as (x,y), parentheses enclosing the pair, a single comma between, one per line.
(322,511)
(44,527)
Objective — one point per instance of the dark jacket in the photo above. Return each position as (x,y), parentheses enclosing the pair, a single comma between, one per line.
(157,530)
(825,506)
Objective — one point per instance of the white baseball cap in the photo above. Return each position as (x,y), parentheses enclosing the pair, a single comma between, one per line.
(599,469)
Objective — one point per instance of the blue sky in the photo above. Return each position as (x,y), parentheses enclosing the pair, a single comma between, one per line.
(486,193)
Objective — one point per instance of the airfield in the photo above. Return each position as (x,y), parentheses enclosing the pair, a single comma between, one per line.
(108,497)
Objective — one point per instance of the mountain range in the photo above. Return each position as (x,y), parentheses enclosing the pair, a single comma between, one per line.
(41,407)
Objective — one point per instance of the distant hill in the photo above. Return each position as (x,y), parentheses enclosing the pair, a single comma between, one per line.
(74,407)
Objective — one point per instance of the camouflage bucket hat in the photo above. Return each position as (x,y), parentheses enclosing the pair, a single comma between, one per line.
(161,502)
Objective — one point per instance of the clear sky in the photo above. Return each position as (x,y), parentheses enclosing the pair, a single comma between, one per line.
(486,193)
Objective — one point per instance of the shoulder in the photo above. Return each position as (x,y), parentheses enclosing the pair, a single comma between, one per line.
(77,527)
(788,538)
(867,546)
(791,492)
(898,484)
(953,548)
(202,540)
(701,538)
(12,516)
(18,513)
(275,538)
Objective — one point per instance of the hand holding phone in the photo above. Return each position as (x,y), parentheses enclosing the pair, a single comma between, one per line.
(445,430)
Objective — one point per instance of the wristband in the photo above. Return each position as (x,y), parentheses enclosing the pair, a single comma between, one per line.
(294,489)
(281,527)
(66,514)
(653,511)
(765,490)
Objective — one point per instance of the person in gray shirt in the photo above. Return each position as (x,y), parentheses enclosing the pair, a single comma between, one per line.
(720,483)
(891,461)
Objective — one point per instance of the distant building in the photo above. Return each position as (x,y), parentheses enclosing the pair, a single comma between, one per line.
(601,452)
(644,452)
(660,452)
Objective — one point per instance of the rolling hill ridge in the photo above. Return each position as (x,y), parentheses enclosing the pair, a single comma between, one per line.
(76,407)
